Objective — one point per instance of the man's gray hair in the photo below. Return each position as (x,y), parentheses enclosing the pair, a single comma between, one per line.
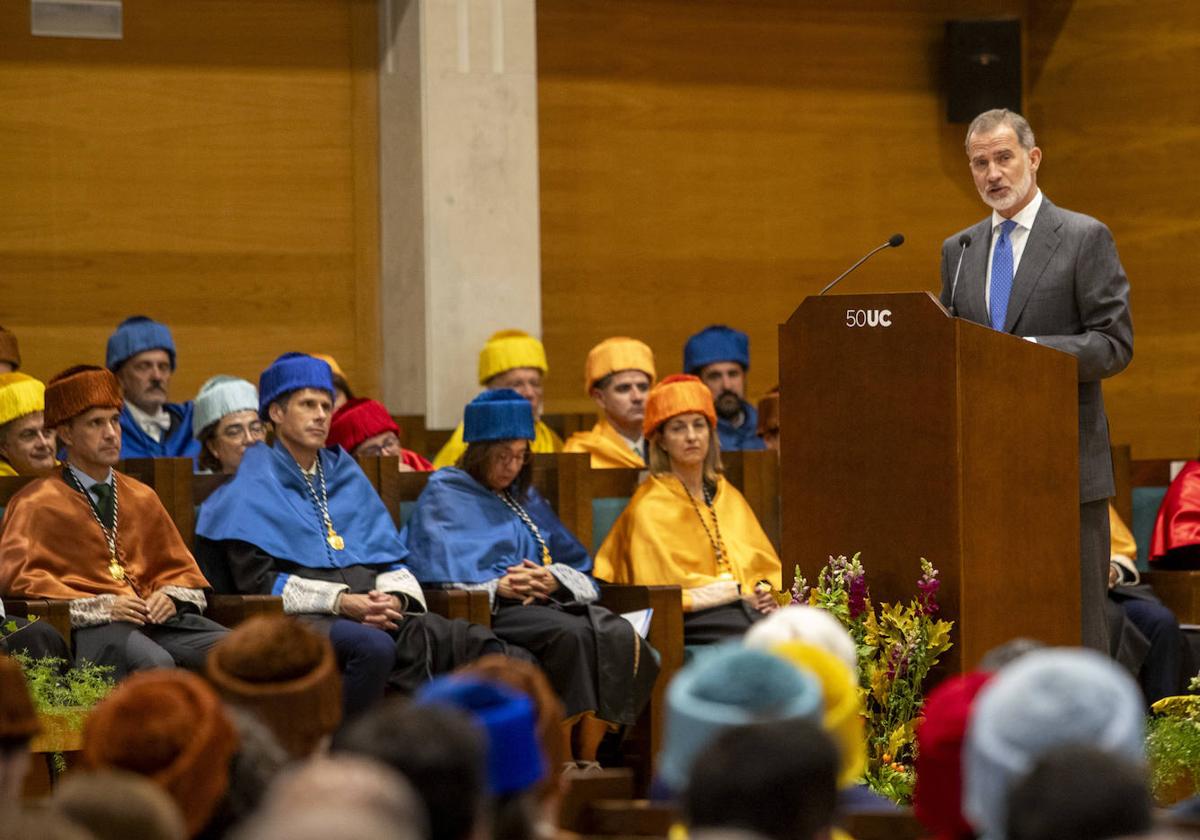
(989,121)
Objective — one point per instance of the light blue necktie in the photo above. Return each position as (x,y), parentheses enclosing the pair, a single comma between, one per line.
(1002,275)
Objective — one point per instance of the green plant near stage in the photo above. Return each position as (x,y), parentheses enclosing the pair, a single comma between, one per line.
(1173,746)
(897,647)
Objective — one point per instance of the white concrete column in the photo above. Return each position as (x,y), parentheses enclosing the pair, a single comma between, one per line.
(459,194)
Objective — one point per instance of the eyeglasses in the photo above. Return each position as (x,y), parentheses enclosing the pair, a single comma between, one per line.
(237,431)
(390,445)
(505,458)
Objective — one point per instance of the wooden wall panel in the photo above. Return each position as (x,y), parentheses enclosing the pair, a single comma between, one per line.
(215,169)
(707,161)
(1118,119)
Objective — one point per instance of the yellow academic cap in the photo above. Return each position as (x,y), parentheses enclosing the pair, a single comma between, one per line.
(616,354)
(510,349)
(20,395)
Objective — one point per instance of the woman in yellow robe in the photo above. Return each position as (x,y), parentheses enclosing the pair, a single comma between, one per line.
(686,525)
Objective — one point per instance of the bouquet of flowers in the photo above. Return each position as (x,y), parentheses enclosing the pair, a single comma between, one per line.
(897,647)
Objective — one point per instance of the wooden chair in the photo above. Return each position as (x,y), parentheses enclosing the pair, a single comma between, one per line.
(626,818)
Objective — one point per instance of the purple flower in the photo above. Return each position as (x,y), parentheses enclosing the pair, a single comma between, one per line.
(929,586)
(800,589)
(857,601)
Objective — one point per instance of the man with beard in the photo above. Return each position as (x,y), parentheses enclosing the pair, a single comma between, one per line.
(142,355)
(720,356)
(618,376)
(26,445)
(1053,277)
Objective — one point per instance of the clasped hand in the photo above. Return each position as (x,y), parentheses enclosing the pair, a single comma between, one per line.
(379,609)
(154,610)
(527,583)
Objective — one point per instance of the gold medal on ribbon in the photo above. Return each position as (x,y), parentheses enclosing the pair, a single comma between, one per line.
(114,569)
(335,540)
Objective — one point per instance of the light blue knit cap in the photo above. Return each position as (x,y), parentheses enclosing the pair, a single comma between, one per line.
(1046,699)
(219,396)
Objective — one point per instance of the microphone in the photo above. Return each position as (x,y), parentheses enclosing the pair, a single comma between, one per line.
(895,241)
(965,242)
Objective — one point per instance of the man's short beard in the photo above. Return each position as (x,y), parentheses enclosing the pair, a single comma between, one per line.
(728,405)
(1015,194)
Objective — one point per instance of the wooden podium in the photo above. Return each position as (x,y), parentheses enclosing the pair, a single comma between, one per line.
(908,433)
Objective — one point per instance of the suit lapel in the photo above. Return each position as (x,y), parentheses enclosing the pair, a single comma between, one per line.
(1039,249)
(973,282)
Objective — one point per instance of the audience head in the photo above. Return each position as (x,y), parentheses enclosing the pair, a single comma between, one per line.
(83,405)
(25,442)
(117,805)
(10,352)
(255,766)
(618,375)
(843,715)
(170,726)
(225,420)
(19,821)
(720,356)
(438,749)
(341,386)
(1043,702)
(768,419)
(284,673)
(1080,793)
(142,355)
(531,681)
(1009,652)
(498,428)
(680,426)
(514,359)
(364,427)
(1004,159)
(775,779)
(360,791)
(725,687)
(802,623)
(937,799)
(18,725)
(296,394)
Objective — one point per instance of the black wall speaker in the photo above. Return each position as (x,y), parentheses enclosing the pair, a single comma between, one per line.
(983,67)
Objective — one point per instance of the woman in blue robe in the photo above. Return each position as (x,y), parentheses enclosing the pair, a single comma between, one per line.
(479,525)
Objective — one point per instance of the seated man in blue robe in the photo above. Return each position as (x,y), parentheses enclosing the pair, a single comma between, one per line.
(720,356)
(302,521)
(142,355)
(480,525)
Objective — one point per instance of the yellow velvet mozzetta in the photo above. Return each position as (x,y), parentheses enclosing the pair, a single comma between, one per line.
(608,448)
(660,540)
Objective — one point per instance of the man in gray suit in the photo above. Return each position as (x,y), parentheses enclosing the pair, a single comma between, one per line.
(1050,276)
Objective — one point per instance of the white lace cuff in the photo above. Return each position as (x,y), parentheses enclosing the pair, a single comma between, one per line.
(195,597)
(301,595)
(91,612)
(402,583)
(711,595)
(577,582)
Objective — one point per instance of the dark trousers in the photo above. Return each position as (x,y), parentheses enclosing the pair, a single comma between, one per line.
(184,640)
(1094,556)
(35,639)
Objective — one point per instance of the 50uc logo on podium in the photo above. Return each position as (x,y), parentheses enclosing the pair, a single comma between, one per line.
(868,317)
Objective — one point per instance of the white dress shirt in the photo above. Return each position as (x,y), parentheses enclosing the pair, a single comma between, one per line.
(1018,237)
(155,425)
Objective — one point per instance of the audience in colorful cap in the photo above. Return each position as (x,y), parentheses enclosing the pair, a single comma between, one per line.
(142,354)
(720,356)
(481,525)
(1045,701)
(225,421)
(617,376)
(686,525)
(118,805)
(515,360)
(10,352)
(364,428)
(341,386)
(26,445)
(803,623)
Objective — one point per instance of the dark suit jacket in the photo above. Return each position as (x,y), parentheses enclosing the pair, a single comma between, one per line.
(1070,293)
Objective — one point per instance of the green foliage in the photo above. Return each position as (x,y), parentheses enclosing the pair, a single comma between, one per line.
(1173,747)
(56,689)
(897,647)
